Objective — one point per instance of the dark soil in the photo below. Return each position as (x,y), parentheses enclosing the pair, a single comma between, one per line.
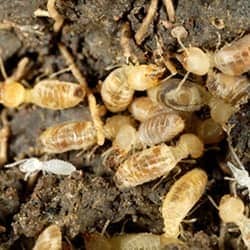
(89,200)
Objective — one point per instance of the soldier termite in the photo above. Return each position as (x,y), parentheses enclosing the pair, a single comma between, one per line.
(33,165)
(231,89)
(118,88)
(51,94)
(182,196)
(50,238)
(156,161)
(231,209)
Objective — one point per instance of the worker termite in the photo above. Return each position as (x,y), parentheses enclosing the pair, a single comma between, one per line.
(232,89)
(231,209)
(232,59)
(118,88)
(191,97)
(48,93)
(182,196)
(209,131)
(33,165)
(50,238)
(160,128)
(156,161)
(143,108)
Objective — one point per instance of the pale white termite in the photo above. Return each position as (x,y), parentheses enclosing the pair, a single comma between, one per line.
(156,161)
(118,88)
(49,239)
(182,196)
(33,165)
(231,210)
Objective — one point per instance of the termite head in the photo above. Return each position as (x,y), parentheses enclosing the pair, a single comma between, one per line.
(194,60)
(12,94)
(142,77)
(231,208)
(192,144)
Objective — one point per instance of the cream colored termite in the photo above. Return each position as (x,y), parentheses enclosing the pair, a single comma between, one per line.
(156,161)
(231,210)
(180,199)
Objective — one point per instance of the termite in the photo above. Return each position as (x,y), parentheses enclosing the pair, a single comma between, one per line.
(182,196)
(118,88)
(160,128)
(209,131)
(143,108)
(156,161)
(232,59)
(191,97)
(231,210)
(48,93)
(231,89)
(50,238)
(31,166)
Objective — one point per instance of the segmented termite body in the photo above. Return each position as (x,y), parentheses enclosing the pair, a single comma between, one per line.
(232,89)
(54,94)
(234,58)
(143,108)
(231,209)
(50,238)
(118,88)
(68,136)
(160,128)
(190,97)
(151,163)
(182,196)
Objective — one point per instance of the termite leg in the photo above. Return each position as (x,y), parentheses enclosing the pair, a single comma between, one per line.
(53,13)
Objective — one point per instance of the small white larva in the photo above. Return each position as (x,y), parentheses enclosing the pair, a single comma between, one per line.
(32,165)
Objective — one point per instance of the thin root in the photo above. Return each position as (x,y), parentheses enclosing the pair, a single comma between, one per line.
(170,10)
(74,69)
(53,13)
(4,135)
(96,119)
(141,32)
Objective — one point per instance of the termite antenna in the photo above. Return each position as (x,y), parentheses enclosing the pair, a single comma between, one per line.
(2,69)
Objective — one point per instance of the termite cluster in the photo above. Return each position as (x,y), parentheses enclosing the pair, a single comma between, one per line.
(151,121)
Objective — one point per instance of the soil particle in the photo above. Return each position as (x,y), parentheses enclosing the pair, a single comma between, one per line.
(240,134)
